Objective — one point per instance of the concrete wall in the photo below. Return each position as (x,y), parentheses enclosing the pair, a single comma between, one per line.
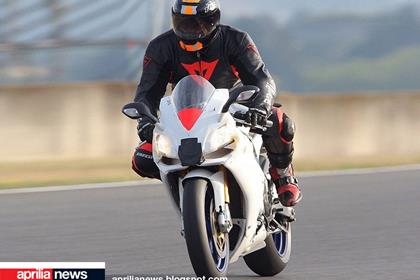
(66,121)
(84,121)
(357,125)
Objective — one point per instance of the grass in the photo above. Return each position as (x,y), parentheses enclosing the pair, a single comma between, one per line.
(67,172)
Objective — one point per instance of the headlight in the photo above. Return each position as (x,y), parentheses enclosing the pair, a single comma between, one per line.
(163,145)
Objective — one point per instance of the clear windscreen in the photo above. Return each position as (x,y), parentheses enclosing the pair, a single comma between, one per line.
(192,92)
(190,96)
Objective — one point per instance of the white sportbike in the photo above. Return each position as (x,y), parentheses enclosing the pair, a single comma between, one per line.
(216,170)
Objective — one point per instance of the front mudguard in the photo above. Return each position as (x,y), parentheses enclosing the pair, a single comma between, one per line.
(217,181)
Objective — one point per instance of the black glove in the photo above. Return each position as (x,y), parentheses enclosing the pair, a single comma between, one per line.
(256,117)
(145,129)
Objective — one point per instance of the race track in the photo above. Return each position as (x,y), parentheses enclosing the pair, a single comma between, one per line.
(364,226)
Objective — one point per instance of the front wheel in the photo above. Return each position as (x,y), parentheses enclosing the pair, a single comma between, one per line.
(273,258)
(208,248)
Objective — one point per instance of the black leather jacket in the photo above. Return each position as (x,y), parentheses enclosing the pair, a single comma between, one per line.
(231,55)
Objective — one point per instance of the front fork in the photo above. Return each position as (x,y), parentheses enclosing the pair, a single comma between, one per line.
(220,193)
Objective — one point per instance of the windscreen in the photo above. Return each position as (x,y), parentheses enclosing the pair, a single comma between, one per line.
(190,96)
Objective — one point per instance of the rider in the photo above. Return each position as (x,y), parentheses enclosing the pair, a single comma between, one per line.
(199,45)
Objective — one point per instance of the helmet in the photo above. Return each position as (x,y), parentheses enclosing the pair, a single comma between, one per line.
(195,20)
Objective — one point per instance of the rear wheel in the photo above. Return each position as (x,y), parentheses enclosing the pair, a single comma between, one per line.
(208,248)
(273,258)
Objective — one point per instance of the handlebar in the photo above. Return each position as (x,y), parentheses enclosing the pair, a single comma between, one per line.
(243,119)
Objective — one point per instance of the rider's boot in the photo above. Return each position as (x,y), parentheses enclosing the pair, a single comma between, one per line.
(287,185)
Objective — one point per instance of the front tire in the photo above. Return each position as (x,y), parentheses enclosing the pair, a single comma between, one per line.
(273,258)
(207,247)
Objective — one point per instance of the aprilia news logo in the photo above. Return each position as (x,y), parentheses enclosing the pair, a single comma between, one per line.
(52,271)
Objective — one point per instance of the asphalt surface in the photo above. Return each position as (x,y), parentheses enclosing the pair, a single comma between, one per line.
(349,227)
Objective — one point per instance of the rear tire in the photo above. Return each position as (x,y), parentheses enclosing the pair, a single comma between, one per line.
(273,258)
(207,258)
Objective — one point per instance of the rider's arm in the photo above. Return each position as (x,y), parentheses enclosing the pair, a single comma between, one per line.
(252,70)
(155,77)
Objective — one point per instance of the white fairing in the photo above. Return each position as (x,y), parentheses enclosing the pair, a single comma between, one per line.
(223,144)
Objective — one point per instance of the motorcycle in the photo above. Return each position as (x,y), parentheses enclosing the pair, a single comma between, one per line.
(213,164)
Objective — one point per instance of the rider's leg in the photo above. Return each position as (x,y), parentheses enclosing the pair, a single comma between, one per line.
(279,144)
(143,164)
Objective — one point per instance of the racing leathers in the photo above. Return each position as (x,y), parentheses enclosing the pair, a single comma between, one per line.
(230,56)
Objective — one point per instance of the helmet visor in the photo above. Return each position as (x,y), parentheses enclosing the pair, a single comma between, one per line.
(194,27)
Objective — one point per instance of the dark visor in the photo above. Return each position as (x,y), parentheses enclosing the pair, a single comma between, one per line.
(193,27)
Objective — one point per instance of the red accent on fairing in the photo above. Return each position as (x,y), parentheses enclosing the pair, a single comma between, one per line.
(189,117)
(280,113)
(201,68)
(146,147)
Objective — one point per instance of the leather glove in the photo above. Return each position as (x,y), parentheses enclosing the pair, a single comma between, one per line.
(145,129)
(256,117)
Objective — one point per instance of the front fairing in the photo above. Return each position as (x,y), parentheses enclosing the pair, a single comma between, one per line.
(173,131)
(211,132)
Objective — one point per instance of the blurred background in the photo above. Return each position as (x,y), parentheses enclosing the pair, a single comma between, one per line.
(348,74)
